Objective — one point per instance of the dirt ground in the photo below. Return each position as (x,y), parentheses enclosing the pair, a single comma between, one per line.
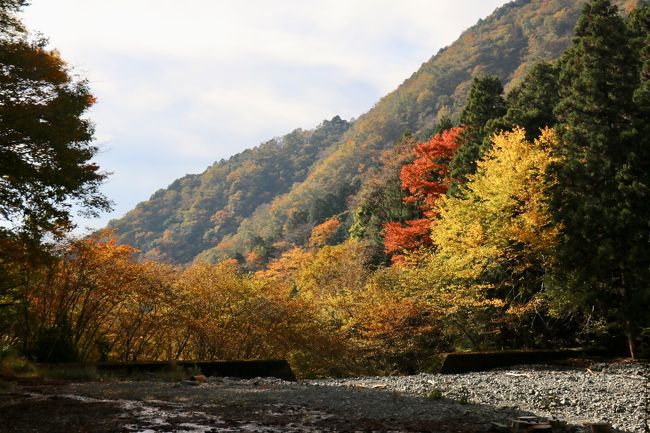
(42,406)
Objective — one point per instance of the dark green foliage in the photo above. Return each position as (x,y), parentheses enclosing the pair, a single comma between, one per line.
(8,21)
(55,344)
(597,78)
(531,104)
(444,124)
(485,103)
(381,198)
(45,150)
(485,100)
(639,25)
(642,94)
(602,197)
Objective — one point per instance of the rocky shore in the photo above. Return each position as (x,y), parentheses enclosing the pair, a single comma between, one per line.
(466,403)
(618,394)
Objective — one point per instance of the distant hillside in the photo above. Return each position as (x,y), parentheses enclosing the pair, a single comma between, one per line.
(261,201)
(197,211)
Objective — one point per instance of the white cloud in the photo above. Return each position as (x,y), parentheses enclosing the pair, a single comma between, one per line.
(181,84)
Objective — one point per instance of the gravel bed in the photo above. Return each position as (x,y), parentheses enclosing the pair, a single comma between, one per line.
(615,393)
(463,403)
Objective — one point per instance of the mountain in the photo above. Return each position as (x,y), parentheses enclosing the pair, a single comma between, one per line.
(197,211)
(266,199)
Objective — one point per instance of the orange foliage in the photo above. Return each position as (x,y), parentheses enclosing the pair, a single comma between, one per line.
(95,291)
(254,259)
(321,309)
(395,327)
(282,271)
(426,179)
(91,100)
(399,237)
(322,233)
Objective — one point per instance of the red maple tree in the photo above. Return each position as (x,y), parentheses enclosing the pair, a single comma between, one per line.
(425,179)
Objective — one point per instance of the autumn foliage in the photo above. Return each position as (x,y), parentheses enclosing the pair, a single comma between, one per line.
(408,236)
(323,233)
(493,240)
(426,179)
(503,259)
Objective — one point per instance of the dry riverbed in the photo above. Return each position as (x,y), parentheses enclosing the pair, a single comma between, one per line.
(616,393)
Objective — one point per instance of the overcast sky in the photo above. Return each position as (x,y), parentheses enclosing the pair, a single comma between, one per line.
(181,84)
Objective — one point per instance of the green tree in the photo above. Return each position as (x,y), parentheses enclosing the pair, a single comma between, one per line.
(639,25)
(485,103)
(8,9)
(381,199)
(45,140)
(531,104)
(602,197)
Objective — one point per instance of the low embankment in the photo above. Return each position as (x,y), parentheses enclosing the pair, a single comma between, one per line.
(279,369)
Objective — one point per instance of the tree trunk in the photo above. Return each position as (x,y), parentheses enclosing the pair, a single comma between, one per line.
(629,334)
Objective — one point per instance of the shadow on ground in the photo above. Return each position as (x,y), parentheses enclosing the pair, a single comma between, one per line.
(41,406)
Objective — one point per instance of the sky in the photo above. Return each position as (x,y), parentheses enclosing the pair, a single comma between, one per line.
(181,84)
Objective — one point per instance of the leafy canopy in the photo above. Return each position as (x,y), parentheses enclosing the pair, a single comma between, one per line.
(602,197)
(425,179)
(492,239)
(45,138)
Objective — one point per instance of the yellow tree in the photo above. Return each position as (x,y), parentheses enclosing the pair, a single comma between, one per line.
(76,300)
(323,233)
(280,274)
(492,240)
(321,287)
(232,315)
(146,325)
(331,276)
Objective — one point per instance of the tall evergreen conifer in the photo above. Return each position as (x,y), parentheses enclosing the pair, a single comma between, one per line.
(531,104)
(602,197)
(639,25)
(485,103)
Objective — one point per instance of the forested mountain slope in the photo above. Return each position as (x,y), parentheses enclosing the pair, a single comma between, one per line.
(197,211)
(264,200)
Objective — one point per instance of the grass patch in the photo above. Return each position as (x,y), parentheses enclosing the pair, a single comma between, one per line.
(14,365)
(68,372)
(463,396)
(11,364)
(434,394)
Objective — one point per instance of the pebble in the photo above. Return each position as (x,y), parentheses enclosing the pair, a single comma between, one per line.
(618,393)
